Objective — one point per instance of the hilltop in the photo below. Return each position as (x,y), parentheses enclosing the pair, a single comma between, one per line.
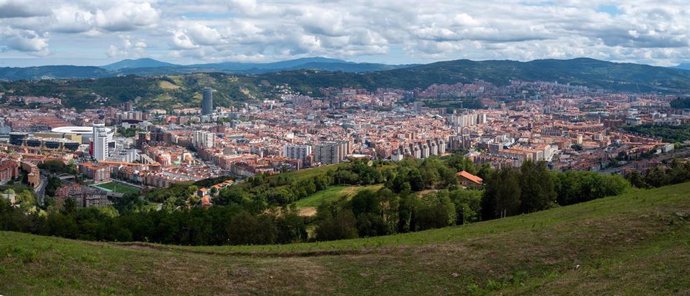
(635,243)
(134,64)
(152,67)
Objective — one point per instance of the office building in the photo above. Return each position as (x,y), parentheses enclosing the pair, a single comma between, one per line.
(207,101)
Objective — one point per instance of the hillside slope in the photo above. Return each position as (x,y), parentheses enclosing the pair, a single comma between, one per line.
(582,71)
(634,244)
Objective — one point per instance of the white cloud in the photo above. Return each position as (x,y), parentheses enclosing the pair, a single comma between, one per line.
(71,19)
(24,41)
(128,47)
(127,16)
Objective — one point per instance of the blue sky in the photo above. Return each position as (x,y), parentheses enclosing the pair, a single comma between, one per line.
(86,32)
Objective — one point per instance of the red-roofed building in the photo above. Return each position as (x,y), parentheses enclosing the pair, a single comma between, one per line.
(468,180)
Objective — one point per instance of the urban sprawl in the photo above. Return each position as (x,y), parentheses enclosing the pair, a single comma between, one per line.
(569,127)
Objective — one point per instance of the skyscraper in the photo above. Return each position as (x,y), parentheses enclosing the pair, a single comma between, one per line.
(100,141)
(207,101)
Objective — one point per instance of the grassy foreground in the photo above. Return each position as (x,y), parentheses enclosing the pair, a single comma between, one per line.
(634,244)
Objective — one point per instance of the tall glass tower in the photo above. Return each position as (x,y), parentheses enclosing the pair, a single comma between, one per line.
(207,101)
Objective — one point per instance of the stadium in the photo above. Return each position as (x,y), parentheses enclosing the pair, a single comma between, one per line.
(83,132)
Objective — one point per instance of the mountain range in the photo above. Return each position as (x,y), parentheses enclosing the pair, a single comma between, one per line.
(162,84)
(151,67)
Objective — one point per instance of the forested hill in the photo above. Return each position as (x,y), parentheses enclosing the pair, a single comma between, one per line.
(583,71)
(169,89)
(52,72)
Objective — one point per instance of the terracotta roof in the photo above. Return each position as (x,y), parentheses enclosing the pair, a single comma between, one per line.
(470,177)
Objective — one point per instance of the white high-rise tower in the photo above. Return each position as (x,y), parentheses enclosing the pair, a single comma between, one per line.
(100,141)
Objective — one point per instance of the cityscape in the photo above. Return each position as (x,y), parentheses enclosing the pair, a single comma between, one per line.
(568,127)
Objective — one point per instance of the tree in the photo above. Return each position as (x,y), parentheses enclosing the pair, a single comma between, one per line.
(536,187)
(435,211)
(333,222)
(461,163)
(70,206)
(502,195)
(26,199)
(291,227)
(53,184)
(636,179)
(128,203)
(467,205)
(242,229)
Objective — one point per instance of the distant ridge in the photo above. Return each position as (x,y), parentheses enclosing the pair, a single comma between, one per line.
(309,74)
(683,66)
(315,63)
(137,63)
(151,67)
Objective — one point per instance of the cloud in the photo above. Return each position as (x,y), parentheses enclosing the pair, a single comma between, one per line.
(24,41)
(128,47)
(71,19)
(126,16)
(16,9)
(203,35)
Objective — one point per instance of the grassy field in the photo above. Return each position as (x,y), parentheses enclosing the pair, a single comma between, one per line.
(331,194)
(311,172)
(119,187)
(634,244)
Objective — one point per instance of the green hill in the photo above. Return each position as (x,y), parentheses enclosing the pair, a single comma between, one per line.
(634,244)
(161,87)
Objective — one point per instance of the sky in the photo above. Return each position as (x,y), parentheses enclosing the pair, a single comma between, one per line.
(98,32)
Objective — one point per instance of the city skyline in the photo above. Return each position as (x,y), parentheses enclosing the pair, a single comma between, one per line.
(82,33)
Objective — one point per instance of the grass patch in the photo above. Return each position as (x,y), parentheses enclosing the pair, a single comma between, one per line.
(311,172)
(331,194)
(118,187)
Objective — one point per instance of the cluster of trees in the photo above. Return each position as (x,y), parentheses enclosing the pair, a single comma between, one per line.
(670,133)
(532,187)
(681,103)
(579,186)
(661,175)
(195,226)
(432,173)
(284,189)
(127,132)
(383,212)
(55,166)
(509,191)
(24,197)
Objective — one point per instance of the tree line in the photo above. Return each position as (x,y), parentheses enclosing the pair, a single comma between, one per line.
(661,175)
(399,208)
(195,226)
(416,195)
